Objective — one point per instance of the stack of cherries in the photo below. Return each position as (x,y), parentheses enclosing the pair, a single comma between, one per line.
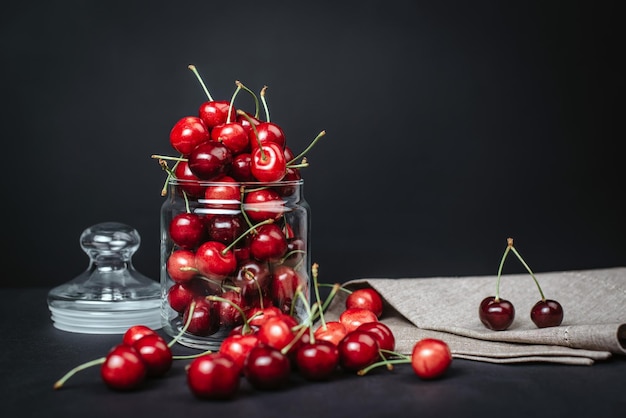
(233,237)
(270,348)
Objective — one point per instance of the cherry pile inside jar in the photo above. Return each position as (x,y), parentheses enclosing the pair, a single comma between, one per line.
(235,224)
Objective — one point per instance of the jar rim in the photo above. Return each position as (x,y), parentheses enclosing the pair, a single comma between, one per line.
(282,183)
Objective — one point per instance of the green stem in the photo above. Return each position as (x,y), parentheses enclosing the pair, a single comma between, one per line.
(240,237)
(543,298)
(256,100)
(192,307)
(59,383)
(246,325)
(314,273)
(267,111)
(256,133)
(232,100)
(307,149)
(506,252)
(386,363)
(195,71)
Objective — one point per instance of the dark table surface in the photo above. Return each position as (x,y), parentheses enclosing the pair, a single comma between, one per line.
(35,355)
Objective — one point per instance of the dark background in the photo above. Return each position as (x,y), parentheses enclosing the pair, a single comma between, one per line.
(451,126)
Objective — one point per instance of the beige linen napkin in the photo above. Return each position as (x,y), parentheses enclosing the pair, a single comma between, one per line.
(593,328)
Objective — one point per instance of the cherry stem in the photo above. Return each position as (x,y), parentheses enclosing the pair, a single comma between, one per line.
(315,273)
(307,149)
(240,237)
(543,298)
(386,363)
(59,383)
(304,163)
(232,100)
(168,157)
(267,111)
(192,308)
(256,133)
(256,100)
(246,326)
(195,71)
(506,252)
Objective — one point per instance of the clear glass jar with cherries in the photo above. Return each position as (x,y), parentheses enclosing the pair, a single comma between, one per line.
(232,248)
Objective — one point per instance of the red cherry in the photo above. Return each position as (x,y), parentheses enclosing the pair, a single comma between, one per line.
(267,132)
(358,349)
(352,318)
(318,360)
(213,376)
(215,261)
(267,368)
(268,163)
(136,332)
(225,228)
(333,332)
(222,197)
(237,346)
(186,230)
(384,335)
(204,319)
(181,266)
(268,243)
(547,313)
(497,315)
(430,358)
(188,182)
(246,120)
(123,368)
(263,204)
(253,278)
(232,135)
(155,353)
(179,296)
(240,167)
(275,332)
(258,316)
(209,160)
(229,315)
(366,298)
(285,282)
(188,133)
(214,112)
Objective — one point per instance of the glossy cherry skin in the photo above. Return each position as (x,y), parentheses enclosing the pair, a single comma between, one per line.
(285,282)
(232,135)
(136,332)
(222,198)
(276,332)
(240,167)
(155,353)
(358,349)
(188,133)
(187,230)
(213,376)
(267,368)
(225,228)
(384,335)
(268,243)
(267,132)
(352,318)
(209,160)
(229,315)
(333,332)
(246,121)
(318,360)
(366,298)
(237,346)
(188,182)
(214,261)
(204,320)
(123,368)
(268,163)
(263,204)
(180,295)
(181,266)
(214,112)
(547,313)
(258,316)
(430,358)
(497,315)
(253,278)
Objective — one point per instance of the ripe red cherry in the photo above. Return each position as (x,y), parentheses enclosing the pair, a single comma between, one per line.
(136,332)
(214,112)
(318,360)
(123,368)
(267,132)
(209,160)
(225,228)
(155,353)
(188,133)
(497,315)
(188,181)
(223,196)
(232,135)
(352,318)
(275,332)
(204,320)
(268,163)
(215,261)
(263,204)
(213,376)
(384,335)
(285,282)
(245,119)
(229,315)
(181,266)
(237,346)
(547,313)
(366,298)
(258,316)
(267,368)
(268,243)
(240,167)
(333,332)
(430,358)
(358,349)
(253,278)
(186,230)
(180,295)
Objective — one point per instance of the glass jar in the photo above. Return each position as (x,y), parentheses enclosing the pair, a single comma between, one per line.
(234,248)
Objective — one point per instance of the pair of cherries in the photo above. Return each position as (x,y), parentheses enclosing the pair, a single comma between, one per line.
(498,314)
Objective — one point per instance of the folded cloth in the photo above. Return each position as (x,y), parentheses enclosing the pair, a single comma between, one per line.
(593,327)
